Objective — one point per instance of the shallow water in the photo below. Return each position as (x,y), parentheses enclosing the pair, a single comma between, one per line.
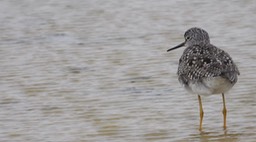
(98,71)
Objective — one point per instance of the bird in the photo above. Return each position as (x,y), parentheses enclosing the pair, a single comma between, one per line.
(205,69)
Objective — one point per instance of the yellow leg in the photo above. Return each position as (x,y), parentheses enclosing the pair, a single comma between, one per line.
(201,112)
(224,111)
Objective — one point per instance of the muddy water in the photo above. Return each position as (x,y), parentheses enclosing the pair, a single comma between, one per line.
(98,71)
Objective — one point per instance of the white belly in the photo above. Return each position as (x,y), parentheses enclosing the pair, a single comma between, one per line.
(209,86)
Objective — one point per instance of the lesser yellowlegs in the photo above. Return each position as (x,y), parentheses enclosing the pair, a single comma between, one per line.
(205,69)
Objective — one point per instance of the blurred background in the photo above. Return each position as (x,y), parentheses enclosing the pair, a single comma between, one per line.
(94,70)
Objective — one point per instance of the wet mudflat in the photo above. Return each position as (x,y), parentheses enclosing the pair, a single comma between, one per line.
(99,71)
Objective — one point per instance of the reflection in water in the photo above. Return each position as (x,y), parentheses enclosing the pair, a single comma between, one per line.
(213,136)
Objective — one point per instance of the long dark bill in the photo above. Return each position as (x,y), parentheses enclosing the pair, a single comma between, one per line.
(178,46)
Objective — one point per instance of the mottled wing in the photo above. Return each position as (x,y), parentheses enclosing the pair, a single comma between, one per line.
(202,62)
(229,69)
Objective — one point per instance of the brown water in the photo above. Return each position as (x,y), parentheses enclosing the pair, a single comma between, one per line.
(92,70)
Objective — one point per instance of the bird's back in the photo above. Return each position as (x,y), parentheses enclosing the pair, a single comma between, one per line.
(200,62)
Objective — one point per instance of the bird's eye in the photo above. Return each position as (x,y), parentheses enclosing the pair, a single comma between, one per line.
(187,38)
